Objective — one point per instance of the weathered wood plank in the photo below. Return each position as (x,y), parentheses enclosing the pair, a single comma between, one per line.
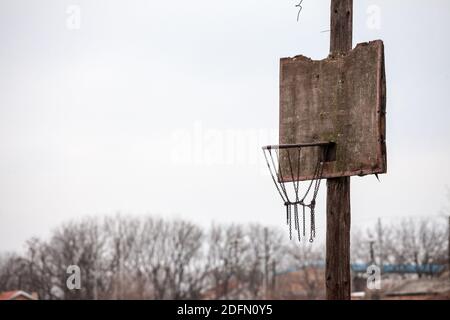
(341,26)
(337,269)
(340,99)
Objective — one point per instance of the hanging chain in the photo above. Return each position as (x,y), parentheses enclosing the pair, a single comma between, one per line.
(314,185)
(290,222)
(318,177)
(297,222)
(304,221)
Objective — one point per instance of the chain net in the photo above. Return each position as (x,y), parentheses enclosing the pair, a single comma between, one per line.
(298,204)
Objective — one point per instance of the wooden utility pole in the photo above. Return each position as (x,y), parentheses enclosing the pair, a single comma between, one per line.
(338,283)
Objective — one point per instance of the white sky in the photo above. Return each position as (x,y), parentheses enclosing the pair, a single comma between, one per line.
(162,106)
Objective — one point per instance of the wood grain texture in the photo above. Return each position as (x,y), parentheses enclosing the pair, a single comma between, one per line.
(340,99)
(337,269)
(341,26)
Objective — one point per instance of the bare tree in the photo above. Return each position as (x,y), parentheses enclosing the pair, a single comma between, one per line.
(359,246)
(123,257)
(420,243)
(172,263)
(308,262)
(226,247)
(82,244)
(266,250)
(121,234)
(14,273)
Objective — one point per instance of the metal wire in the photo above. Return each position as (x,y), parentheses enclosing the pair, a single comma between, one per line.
(273,178)
(300,9)
(278,178)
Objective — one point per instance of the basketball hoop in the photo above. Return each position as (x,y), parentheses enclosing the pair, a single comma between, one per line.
(284,163)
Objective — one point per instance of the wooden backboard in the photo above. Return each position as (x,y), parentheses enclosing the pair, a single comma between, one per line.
(342,100)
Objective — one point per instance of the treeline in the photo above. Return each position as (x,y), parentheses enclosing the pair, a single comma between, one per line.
(122,257)
(415,242)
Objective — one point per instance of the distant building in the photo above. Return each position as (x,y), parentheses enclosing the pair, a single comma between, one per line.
(420,289)
(18,295)
(398,282)
(305,283)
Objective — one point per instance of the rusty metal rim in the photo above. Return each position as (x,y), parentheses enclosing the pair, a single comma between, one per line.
(298,145)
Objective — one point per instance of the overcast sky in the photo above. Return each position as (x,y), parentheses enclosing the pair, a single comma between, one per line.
(161,107)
